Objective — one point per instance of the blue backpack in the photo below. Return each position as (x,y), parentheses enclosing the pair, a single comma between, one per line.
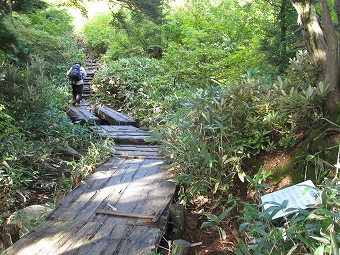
(75,73)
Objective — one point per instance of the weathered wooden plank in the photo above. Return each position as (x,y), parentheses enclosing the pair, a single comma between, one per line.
(138,154)
(142,148)
(118,181)
(159,197)
(129,139)
(81,115)
(92,238)
(113,117)
(61,236)
(134,244)
(140,187)
(32,243)
(119,239)
(123,134)
(106,239)
(78,238)
(114,189)
(94,181)
(116,128)
(143,151)
(126,200)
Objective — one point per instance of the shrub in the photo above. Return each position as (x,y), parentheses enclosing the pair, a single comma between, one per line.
(221,127)
(308,231)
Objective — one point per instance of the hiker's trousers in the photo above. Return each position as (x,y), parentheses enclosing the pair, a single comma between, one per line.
(77,92)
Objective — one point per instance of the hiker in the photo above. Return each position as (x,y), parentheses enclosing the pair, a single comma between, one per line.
(80,42)
(76,75)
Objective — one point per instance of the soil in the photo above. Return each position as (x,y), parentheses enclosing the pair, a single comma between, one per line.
(204,240)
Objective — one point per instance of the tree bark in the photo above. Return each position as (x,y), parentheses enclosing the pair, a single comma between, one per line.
(337,11)
(321,44)
(332,71)
(283,35)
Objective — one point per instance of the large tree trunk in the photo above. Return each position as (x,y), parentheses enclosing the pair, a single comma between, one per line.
(283,35)
(321,43)
(337,11)
(332,71)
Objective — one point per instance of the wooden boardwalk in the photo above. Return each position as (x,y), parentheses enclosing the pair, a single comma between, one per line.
(136,187)
(121,209)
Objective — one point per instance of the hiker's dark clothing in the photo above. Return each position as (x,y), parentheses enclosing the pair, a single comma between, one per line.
(77,86)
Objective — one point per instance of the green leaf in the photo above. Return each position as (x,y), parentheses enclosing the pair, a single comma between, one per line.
(326,212)
(238,251)
(225,212)
(241,175)
(243,246)
(207,224)
(319,250)
(321,239)
(217,184)
(262,232)
(213,217)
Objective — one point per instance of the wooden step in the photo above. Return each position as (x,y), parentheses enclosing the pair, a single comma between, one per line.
(113,117)
(82,115)
(123,134)
(138,151)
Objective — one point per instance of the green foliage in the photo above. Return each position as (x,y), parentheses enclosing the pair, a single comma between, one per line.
(150,8)
(211,132)
(211,41)
(8,40)
(36,131)
(123,34)
(129,83)
(6,123)
(308,231)
(47,33)
(22,6)
(28,6)
(98,34)
(257,184)
(198,43)
(220,128)
(216,220)
(278,43)
(96,152)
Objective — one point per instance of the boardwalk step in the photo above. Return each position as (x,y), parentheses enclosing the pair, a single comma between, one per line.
(123,134)
(81,115)
(138,151)
(113,117)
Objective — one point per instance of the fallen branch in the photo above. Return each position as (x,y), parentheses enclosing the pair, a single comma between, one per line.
(127,215)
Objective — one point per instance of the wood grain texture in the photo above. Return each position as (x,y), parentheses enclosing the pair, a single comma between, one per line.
(131,185)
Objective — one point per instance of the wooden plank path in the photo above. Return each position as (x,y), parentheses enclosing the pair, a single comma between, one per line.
(123,134)
(81,115)
(122,208)
(131,185)
(134,183)
(114,117)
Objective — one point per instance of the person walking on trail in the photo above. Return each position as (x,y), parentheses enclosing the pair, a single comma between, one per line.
(76,75)
(80,42)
